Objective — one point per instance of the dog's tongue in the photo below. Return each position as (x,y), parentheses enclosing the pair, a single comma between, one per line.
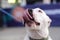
(21,14)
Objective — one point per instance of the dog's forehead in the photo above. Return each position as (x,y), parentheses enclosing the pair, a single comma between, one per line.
(36,9)
(40,14)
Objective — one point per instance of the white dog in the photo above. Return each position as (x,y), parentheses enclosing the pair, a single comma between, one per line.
(37,26)
(36,23)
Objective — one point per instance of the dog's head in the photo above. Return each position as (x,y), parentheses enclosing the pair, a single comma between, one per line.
(33,17)
(37,17)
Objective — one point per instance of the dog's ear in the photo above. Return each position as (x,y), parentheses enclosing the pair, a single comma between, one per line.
(49,20)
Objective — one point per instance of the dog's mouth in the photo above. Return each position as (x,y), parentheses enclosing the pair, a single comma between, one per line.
(30,20)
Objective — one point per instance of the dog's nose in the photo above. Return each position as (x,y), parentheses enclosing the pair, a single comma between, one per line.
(30,12)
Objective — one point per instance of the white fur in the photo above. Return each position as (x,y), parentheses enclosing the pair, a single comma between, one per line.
(39,31)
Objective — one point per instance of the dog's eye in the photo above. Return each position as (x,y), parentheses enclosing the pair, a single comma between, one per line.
(37,23)
(39,11)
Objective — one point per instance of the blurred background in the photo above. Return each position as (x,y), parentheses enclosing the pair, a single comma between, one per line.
(11,29)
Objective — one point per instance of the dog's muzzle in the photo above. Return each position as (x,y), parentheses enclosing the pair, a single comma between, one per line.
(38,39)
(30,17)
